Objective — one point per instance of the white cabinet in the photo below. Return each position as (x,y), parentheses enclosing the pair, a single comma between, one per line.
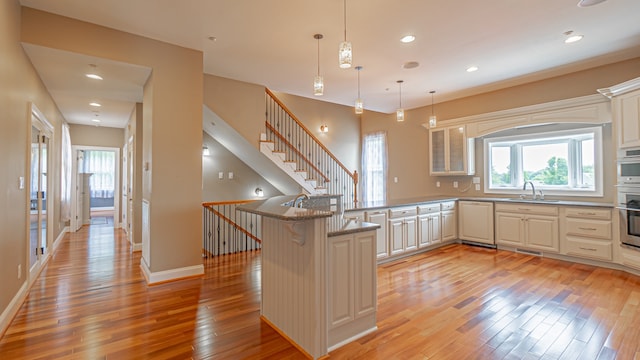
(449,221)
(402,230)
(352,278)
(452,153)
(626,112)
(428,225)
(531,226)
(379,217)
(588,233)
(475,221)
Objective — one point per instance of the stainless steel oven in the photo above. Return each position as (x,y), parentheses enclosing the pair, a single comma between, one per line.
(629,207)
(629,167)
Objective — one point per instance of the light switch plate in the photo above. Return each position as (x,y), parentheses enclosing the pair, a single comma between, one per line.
(21,183)
(476,179)
(220,175)
(230,175)
(455,184)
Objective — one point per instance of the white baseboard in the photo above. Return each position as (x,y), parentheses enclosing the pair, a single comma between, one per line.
(170,275)
(12,309)
(136,246)
(58,240)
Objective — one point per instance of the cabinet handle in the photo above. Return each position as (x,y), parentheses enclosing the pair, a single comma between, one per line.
(524,209)
(590,229)
(588,249)
(586,213)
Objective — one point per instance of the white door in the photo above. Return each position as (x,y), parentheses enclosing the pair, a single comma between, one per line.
(79,192)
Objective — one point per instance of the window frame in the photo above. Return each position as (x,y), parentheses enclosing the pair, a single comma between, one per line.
(540,137)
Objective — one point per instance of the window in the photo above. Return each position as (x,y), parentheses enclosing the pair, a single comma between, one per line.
(102,165)
(374,167)
(558,162)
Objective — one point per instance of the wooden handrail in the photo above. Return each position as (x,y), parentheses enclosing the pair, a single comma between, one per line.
(232,202)
(309,133)
(283,139)
(233,223)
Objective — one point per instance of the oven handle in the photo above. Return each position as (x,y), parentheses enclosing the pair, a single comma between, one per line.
(627,209)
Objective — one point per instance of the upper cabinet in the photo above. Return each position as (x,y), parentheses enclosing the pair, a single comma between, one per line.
(625,102)
(452,153)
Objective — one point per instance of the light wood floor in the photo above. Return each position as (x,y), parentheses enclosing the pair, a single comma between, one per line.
(459,302)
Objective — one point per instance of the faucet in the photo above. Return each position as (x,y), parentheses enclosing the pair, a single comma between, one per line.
(297,202)
(533,189)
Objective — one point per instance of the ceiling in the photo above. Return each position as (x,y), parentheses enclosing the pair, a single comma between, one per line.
(271,43)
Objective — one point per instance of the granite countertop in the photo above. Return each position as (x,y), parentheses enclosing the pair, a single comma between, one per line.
(431,199)
(336,223)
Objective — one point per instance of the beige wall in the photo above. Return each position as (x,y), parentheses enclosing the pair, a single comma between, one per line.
(408,141)
(20,86)
(172,130)
(96,136)
(241,187)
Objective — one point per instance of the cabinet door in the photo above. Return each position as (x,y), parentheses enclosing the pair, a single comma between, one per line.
(396,230)
(456,150)
(410,233)
(424,230)
(542,232)
(365,276)
(437,154)
(627,108)
(436,230)
(449,225)
(341,280)
(509,229)
(380,218)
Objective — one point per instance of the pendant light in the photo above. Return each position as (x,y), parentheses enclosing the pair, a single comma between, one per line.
(318,83)
(432,118)
(400,111)
(345,55)
(359,104)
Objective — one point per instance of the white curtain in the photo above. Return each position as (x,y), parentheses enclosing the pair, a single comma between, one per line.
(374,167)
(65,175)
(102,165)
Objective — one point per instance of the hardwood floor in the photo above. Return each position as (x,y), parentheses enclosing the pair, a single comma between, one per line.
(458,302)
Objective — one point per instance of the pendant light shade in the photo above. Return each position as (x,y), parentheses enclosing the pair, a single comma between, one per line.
(345,54)
(432,118)
(318,83)
(359,104)
(400,111)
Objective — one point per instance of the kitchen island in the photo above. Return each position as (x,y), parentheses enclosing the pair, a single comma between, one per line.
(318,274)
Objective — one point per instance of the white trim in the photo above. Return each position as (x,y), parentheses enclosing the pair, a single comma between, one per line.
(585,109)
(622,88)
(170,275)
(351,339)
(136,246)
(58,240)
(12,309)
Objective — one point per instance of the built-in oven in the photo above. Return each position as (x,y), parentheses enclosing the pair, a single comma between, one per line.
(629,167)
(629,207)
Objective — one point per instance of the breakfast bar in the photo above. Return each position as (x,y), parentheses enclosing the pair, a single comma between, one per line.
(318,274)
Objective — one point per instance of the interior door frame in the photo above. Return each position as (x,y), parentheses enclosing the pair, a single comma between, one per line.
(45,128)
(74,183)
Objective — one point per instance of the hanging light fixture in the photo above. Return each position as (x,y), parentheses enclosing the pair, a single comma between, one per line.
(400,111)
(432,118)
(345,55)
(359,103)
(318,83)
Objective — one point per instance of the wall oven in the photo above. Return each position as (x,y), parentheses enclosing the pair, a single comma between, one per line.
(629,207)
(629,167)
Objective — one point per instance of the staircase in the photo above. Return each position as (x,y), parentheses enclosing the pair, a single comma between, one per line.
(295,150)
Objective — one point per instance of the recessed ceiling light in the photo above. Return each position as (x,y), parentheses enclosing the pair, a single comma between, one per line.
(571,37)
(408,38)
(585,3)
(95,104)
(410,65)
(472,68)
(95,120)
(93,73)
(93,76)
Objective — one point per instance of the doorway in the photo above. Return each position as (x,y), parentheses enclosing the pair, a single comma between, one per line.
(96,178)
(39,185)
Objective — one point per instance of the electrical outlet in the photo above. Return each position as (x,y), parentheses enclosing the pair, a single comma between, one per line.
(395,179)
(19,271)
(437,183)
(230,175)
(455,184)
(477,187)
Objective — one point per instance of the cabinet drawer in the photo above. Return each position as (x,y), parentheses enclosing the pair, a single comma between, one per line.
(591,228)
(589,213)
(449,205)
(589,248)
(402,212)
(527,209)
(427,209)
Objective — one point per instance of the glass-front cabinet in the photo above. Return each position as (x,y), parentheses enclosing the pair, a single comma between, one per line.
(452,153)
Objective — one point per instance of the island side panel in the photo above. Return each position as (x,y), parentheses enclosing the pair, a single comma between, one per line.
(293,281)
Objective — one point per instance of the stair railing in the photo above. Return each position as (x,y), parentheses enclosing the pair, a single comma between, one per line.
(227,231)
(290,136)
